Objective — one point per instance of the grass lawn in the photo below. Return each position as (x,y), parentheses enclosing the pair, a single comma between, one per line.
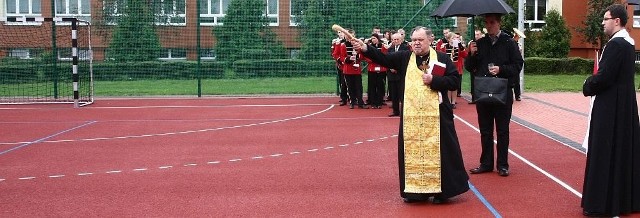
(265,86)
(309,85)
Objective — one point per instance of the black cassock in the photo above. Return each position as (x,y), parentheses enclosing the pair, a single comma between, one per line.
(454,178)
(612,174)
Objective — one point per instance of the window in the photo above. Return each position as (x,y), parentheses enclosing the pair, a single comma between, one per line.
(295,12)
(170,12)
(80,9)
(207,54)
(636,16)
(212,11)
(174,54)
(64,54)
(271,11)
(112,10)
(23,8)
(166,12)
(20,53)
(534,13)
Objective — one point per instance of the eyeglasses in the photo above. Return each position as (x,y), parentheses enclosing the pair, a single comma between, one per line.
(608,18)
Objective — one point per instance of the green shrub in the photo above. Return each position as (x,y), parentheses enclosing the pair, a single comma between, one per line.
(555,66)
(282,68)
(181,70)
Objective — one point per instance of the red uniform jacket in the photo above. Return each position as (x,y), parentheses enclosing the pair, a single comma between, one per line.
(349,67)
(374,67)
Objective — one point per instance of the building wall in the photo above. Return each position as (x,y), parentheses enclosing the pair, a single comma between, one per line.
(555,4)
(574,14)
(170,36)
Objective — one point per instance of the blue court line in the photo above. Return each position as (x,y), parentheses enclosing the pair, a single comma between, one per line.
(484,201)
(45,138)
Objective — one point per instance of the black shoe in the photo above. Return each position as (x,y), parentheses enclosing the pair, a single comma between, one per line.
(479,170)
(351,106)
(518,99)
(363,107)
(594,214)
(503,172)
(343,103)
(453,106)
(439,200)
(410,200)
(394,114)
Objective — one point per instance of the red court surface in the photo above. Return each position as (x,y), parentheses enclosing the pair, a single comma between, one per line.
(269,156)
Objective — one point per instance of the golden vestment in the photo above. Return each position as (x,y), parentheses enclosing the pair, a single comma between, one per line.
(421,117)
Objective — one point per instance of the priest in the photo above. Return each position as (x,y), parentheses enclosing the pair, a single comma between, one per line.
(429,156)
(612,175)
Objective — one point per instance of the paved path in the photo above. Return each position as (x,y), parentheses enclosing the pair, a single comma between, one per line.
(560,115)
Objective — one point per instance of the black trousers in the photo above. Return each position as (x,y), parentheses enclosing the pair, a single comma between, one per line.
(396,94)
(343,87)
(516,88)
(471,78)
(460,86)
(500,115)
(354,85)
(376,88)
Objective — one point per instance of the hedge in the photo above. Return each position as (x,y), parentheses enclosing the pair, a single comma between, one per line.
(282,68)
(555,66)
(22,71)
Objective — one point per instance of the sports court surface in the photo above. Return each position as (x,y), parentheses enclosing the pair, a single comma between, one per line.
(283,156)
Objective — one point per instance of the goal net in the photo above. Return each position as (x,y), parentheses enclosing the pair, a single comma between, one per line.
(45,60)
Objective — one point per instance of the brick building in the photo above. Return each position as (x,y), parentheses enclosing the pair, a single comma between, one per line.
(179,29)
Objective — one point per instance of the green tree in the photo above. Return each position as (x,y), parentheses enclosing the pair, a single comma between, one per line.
(134,38)
(315,35)
(555,36)
(592,30)
(246,33)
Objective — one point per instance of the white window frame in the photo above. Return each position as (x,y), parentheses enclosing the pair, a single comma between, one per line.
(536,19)
(70,12)
(174,14)
(636,18)
(292,17)
(115,13)
(270,14)
(216,15)
(4,11)
(83,54)
(21,53)
(167,55)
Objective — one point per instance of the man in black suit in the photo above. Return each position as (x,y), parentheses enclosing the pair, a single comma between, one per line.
(396,81)
(494,55)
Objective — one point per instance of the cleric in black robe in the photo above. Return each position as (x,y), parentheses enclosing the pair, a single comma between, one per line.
(454,178)
(612,174)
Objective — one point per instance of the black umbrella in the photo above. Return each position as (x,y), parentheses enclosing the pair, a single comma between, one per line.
(470,8)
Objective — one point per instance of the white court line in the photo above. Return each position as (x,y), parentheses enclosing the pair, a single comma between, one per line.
(552,177)
(182,132)
(193,164)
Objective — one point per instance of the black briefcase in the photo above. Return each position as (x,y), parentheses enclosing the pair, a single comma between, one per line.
(490,90)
